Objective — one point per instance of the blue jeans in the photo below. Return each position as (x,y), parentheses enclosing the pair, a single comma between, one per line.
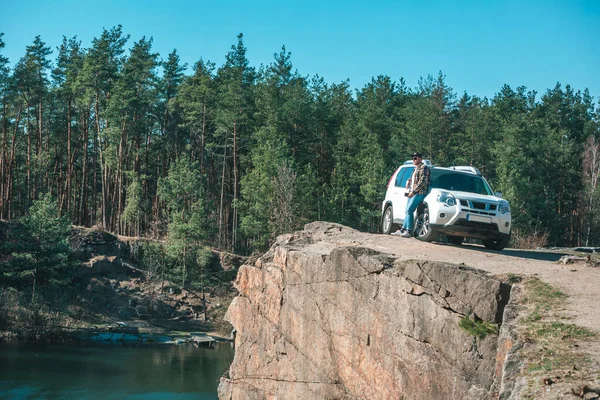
(411,206)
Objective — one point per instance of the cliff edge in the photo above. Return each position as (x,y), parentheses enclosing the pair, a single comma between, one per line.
(322,316)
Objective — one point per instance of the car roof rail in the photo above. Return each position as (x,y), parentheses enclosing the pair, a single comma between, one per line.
(466,168)
(426,162)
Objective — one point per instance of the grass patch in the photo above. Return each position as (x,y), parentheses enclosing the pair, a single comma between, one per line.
(542,298)
(551,360)
(562,331)
(542,294)
(544,301)
(544,327)
(479,329)
(513,278)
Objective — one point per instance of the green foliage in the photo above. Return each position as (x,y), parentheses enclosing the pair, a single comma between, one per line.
(152,259)
(4,70)
(514,278)
(267,183)
(357,191)
(478,328)
(33,319)
(182,191)
(278,188)
(132,214)
(104,128)
(37,250)
(539,292)
(562,331)
(40,241)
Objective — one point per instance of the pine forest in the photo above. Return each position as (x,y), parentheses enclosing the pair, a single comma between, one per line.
(232,155)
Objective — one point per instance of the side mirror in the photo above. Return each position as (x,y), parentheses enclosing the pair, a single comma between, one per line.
(498,194)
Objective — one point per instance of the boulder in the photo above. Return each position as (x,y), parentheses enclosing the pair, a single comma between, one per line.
(103,265)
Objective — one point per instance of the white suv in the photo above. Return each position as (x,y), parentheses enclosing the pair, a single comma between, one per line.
(460,204)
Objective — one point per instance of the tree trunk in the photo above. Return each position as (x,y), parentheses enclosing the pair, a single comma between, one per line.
(104,204)
(235,185)
(40,149)
(119,179)
(203,138)
(222,201)
(8,178)
(69,160)
(84,172)
(3,158)
(29,149)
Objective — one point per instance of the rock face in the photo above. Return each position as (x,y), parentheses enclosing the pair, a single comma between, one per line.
(315,321)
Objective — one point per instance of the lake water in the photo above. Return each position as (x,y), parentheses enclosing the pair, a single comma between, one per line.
(111,371)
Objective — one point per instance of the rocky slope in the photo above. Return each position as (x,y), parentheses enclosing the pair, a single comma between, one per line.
(106,284)
(322,316)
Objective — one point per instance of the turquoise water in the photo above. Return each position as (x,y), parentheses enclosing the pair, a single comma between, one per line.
(111,371)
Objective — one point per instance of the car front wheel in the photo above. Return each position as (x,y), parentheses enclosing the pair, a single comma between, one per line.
(423,229)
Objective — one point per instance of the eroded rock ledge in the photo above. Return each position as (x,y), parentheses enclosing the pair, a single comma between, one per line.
(322,321)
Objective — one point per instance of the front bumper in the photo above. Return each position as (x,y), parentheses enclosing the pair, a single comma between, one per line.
(464,220)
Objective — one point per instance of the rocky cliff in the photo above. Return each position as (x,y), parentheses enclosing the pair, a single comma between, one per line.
(321,316)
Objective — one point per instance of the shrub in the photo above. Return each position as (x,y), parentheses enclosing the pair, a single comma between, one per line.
(535,240)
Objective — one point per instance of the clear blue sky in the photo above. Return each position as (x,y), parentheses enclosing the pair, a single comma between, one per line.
(478,45)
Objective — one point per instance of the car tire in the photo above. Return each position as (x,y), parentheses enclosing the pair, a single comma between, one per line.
(423,230)
(497,244)
(455,240)
(387,221)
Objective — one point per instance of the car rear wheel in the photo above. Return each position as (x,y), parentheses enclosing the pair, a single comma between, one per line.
(387,222)
(423,229)
(455,240)
(497,244)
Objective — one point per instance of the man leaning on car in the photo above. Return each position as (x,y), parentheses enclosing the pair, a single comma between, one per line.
(418,186)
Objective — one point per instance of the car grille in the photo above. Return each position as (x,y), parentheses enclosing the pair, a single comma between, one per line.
(478,207)
(478,225)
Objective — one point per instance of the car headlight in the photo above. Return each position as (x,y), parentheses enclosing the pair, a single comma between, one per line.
(448,198)
(504,207)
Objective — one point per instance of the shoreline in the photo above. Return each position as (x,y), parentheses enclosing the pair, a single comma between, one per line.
(200,339)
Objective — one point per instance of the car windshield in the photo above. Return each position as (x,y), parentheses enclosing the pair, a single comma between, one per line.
(459,181)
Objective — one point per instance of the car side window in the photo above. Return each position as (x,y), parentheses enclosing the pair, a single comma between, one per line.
(403,176)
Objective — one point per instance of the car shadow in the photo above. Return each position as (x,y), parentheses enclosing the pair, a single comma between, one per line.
(541,255)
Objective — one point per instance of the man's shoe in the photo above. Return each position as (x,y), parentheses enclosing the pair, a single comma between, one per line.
(406,234)
(399,232)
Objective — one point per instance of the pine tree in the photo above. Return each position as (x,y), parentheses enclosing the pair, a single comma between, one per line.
(182,191)
(101,70)
(68,66)
(591,194)
(428,119)
(131,136)
(196,97)
(32,83)
(134,207)
(6,144)
(233,125)
(39,251)
(261,187)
